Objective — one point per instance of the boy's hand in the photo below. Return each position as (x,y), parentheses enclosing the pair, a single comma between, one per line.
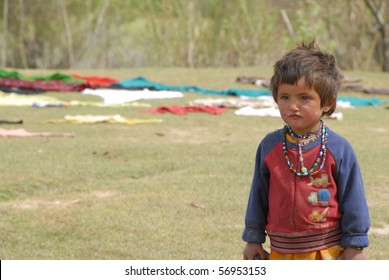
(252,250)
(350,253)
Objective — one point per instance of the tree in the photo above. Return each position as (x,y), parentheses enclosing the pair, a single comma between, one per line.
(383,29)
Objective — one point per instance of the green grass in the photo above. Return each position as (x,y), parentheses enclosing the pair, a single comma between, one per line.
(171,190)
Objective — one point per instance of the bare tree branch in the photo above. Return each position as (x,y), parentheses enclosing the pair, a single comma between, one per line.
(68,31)
(375,11)
(383,31)
(5,32)
(22,28)
(288,23)
(99,23)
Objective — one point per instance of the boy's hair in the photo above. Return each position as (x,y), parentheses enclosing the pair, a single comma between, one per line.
(317,67)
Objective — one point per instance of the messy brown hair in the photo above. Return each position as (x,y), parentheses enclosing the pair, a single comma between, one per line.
(317,67)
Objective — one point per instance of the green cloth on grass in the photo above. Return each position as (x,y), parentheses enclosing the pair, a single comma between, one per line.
(55,77)
(11,74)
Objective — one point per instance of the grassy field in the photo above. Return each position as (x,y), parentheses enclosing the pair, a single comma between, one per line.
(171,190)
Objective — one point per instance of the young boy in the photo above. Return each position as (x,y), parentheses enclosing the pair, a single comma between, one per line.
(307,192)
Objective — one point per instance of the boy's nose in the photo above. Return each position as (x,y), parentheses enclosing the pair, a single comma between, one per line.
(293,106)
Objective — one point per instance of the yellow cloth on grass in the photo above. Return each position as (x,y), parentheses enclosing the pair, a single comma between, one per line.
(90,119)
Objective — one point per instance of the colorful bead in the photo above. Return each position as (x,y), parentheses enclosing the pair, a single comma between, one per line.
(322,133)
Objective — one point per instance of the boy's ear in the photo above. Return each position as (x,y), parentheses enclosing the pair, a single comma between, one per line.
(329,105)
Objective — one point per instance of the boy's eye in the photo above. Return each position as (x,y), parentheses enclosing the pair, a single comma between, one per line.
(304,97)
(283,97)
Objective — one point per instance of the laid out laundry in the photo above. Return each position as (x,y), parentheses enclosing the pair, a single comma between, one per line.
(94,119)
(113,91)
(140,82)
(76,103)
(13,99)
(97,80)
(118,96)
(273,112)
(56,76)
(259,112)
(20,132)
(267,102)
(265,82)
(11,74)
(183,110)
(364,89)
(237,102)
(359,101)
(335,116)
(49,104)
(41,101)
(21,91)
(258,81)
(11,122)
(43,85)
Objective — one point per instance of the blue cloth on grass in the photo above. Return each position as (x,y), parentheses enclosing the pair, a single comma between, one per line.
(140,82)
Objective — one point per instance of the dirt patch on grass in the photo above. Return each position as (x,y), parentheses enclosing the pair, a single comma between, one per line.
(103,194)
(38,203)
(381,230)
(193,135)
(59,203)
(378,129)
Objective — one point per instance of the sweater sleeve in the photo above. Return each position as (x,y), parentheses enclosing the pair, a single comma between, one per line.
(258,205)
(352,200)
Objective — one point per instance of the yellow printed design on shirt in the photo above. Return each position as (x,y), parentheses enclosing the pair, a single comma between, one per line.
(319,198)
(321,182)
(317,216)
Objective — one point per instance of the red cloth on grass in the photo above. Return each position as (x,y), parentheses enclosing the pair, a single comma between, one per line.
(183,110)
(55,85)
(97,80)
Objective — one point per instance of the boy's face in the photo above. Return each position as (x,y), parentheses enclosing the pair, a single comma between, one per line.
(300,107)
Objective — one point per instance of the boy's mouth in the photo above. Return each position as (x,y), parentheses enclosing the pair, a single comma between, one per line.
(294,116)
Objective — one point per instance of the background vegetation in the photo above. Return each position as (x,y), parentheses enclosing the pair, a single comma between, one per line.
(189,33)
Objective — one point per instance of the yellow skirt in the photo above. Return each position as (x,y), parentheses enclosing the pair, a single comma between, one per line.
(331,253)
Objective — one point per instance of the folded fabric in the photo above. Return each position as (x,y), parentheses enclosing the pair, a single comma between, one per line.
(183,110)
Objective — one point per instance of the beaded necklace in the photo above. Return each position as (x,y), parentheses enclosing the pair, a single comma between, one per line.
(322,133)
